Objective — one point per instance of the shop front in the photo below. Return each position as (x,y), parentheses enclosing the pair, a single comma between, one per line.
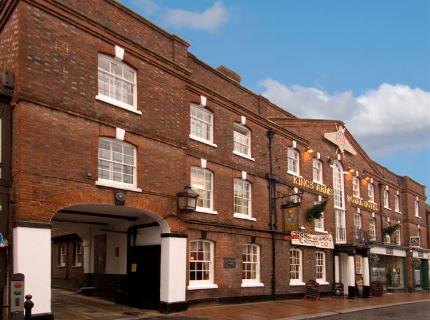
(421,269)
(387,265)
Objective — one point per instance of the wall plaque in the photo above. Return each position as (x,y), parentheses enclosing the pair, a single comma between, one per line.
(229,263)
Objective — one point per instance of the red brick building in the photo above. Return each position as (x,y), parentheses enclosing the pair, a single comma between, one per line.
(113,116)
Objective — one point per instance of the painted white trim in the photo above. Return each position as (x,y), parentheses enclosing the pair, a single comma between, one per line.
(119,52)
(32,257)
(243,216)
(203,141)
(202,286)
(243,120)
(294,144)
(383,251)
(322,283)
(205,210)
(173,269)
(294,283)
(243,155)
(117,185)
(117,103)
(203,163)
(120,134)
(251,284)
(203,100)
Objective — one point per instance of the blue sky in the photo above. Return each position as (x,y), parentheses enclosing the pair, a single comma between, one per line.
(364,62)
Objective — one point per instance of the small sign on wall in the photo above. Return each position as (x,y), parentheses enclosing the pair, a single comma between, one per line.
(229,263)
(415,241)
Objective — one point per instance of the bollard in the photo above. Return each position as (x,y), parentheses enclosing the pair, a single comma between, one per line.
(28,305)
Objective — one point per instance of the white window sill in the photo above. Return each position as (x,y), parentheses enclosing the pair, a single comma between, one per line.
(358,197)
(388,208)
(117,103)
(399,212)
(243,216)
(322,283)
(318,182)
(202,286)
(294,174)
(302,228)
(296,283)
(203,141)
(418,217)
(111,184)
(243,155)
(251,284)
(370,201)
(321,230)
(206,210)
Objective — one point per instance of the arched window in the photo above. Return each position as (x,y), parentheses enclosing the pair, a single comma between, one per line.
(296,276)
(201,264)
(242,198)
(339,202)
(116,163)
(241,140)
(251,265)
(116,82)
(202,183)
(293,161)
(317,171)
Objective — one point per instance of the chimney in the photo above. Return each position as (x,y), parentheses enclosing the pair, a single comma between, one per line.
(229,73)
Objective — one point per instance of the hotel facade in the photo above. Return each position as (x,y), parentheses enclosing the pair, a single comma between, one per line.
(106,119)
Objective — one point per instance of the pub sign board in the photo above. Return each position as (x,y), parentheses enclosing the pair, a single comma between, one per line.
(291,219)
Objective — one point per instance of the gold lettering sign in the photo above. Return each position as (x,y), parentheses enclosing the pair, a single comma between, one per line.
(362,203)
(302,182)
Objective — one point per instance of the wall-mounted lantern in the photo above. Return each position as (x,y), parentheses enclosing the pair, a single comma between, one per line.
(187,199)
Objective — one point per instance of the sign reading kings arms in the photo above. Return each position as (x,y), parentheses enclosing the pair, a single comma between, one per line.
(320,188)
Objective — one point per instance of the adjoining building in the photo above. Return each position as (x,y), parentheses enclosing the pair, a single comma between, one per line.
(112,118)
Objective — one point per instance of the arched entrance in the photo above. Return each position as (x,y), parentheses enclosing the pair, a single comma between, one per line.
(121,253)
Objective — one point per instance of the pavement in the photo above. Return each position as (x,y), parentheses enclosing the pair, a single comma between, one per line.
(68,305)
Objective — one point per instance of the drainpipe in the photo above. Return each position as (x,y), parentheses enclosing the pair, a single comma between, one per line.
(272,209)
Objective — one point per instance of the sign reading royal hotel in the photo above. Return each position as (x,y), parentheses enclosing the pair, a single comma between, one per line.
(362,203)
(302,182)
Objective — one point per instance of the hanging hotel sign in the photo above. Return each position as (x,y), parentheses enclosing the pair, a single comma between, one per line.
(324,241)
(291,218)
(362,203)
(302,182)
(339,139)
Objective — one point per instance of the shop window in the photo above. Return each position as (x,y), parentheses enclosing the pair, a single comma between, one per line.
(386,198)
(242,199)
(77,259)
(202,183)
(317,171)
(241,140)
(358,265)
(251,265)
(320,267)
(116,163)
(62,255)
(201,124)
(356,187)
(201,264)
(293,161)
(371,192)
(116,83)
(296,277)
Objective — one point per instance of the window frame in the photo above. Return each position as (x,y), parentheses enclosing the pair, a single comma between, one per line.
(357,225)
(386,196)
(113,183)
(317,170)
(62,255)
(296,281)
(397,203)
(77,254)
(193,185)
(108,99)
(251,282)
(206,283)
(210,125)
(355,187)
(371,192)
(319,223)
(372,226)
(237,127)
(417,209)
(291,162)
(323,279)
(248,215)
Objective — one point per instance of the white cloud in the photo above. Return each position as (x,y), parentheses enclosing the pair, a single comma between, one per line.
(386,119)
(208,20)
(148,7)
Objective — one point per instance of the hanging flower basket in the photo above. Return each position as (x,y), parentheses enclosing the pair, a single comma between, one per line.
(390,229)
(316,211)
(373,258)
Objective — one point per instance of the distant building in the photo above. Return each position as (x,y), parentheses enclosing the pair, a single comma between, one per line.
(112,116)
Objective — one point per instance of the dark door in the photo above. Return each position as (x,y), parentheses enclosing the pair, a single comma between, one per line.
(100,254)
(144,276)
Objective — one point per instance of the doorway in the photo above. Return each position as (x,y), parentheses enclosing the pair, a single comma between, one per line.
(144,276)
